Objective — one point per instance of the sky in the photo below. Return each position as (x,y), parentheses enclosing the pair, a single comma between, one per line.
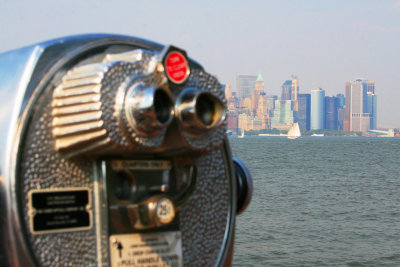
(325,43)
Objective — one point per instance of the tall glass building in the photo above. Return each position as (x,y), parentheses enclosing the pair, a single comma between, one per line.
(372,109)
(358,116)
(283,113)
(304,113)
(270,99)
(331,113)
(341,100)
(317,109)
(245,84)
(286,90)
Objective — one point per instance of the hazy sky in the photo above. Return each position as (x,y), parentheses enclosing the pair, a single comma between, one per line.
(324,43)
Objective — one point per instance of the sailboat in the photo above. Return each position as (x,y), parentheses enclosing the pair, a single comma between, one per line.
(294,131)
(242,135)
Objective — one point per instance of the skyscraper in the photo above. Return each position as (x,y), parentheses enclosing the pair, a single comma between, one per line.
(358,117)
(346,119)
(255,94)
(341,100)
(286,90)
(295,88)
(228,91)
(271,103)
(259,86)
(317,109)
(304,112)
(370,87)
(295,93)
(372,109)
(284,115)
(245,84)
(331,113)
(290,90)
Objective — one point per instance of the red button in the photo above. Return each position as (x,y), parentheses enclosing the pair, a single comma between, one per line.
(176,67)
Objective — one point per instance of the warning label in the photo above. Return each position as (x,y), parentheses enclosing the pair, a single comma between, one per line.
(146,250)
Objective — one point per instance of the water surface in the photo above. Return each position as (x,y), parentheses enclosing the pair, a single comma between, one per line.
(320,201)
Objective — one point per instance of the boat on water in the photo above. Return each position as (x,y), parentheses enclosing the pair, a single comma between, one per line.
(318,135)
(242,135)
(294,131)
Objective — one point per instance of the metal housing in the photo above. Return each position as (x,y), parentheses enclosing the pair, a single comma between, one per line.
(35,155)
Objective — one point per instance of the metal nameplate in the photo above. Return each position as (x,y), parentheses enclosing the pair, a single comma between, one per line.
(60,210)
(155,249)
(141,164)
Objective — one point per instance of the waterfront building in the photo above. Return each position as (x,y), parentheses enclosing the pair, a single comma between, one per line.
(249,123)
(232,119)
(304,111)
(331,113)
(358,117)
(283,114)
(245,84)
(270,101)
(290,91)
(266,121)
(372,109)
(317,109)
(341,100)
(254,124)
(242,121)
(341,116)
(256,94)
(346,120)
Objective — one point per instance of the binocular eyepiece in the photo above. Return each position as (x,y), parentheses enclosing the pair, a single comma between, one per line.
(148,109)
(115,153)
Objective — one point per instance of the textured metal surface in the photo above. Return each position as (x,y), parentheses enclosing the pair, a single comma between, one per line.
(88,104)
(205,217)
(206,83)
(43,168)
(23,73)
(205,220)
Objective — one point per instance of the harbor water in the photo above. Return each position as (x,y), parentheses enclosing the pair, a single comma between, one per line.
(320,201)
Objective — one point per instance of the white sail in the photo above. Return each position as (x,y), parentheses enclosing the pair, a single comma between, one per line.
(294,131)
(242,136)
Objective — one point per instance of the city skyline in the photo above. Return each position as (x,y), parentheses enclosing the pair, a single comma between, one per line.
(286,89)
(324,43)
(252,108)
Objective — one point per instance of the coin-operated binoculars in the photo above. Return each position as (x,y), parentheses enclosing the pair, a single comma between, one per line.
(113,152)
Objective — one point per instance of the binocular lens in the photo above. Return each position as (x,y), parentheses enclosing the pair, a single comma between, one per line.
(148,109)
(199,112)
(162,106)
(205,109)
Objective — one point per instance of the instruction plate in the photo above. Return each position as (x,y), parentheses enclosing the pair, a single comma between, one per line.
(145,250)
(60,210)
